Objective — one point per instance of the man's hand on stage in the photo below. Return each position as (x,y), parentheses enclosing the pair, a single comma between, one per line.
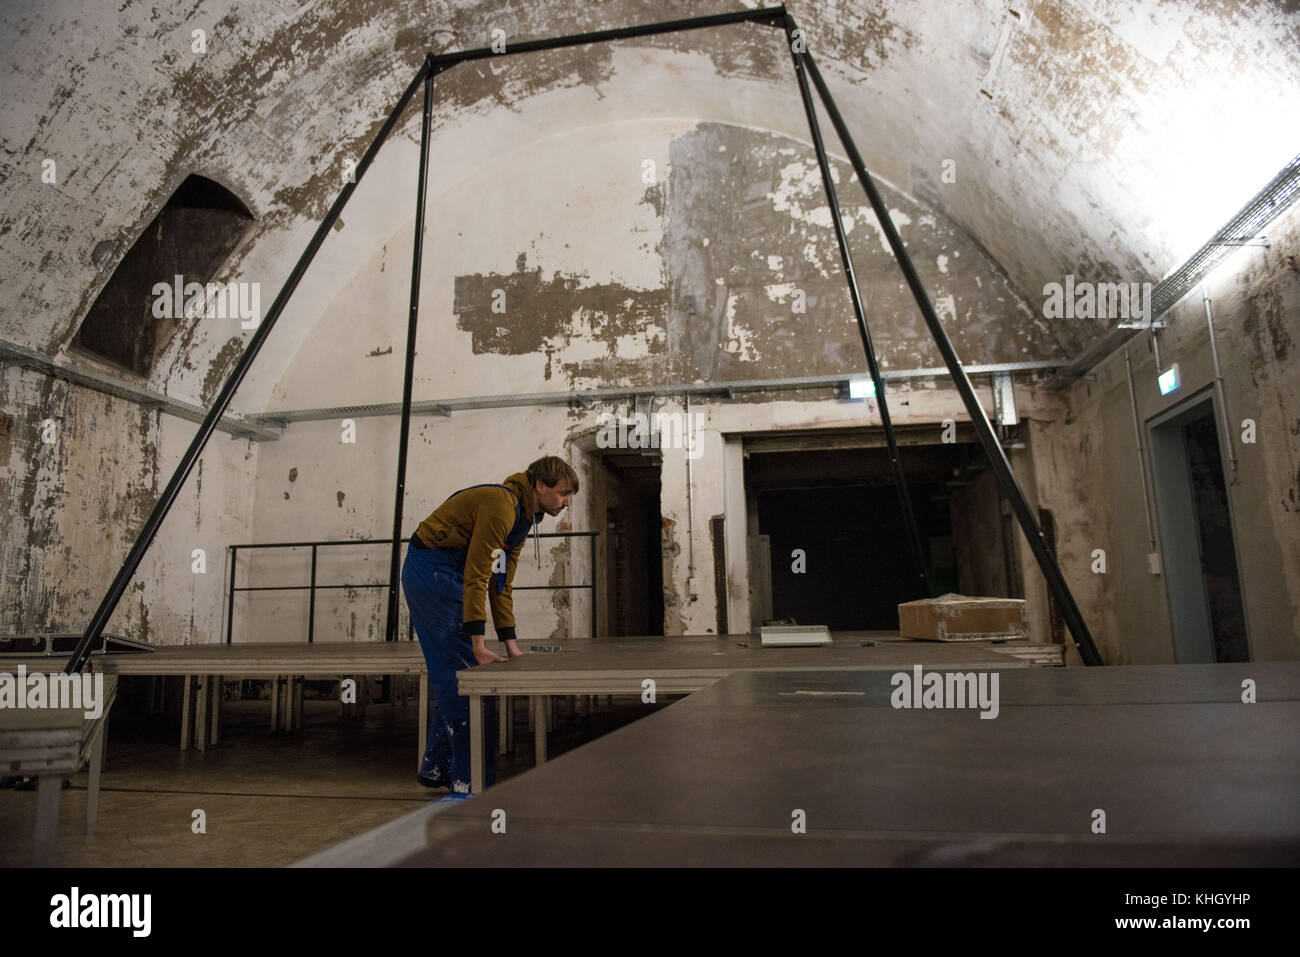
(512,648)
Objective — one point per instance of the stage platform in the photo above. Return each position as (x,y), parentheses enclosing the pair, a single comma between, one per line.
(583,666)
(1167,759)
(687,664)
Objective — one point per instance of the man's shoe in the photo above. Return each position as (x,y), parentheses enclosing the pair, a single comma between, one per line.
(432,782)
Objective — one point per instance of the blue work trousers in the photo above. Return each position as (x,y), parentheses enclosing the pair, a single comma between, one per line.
(434,589)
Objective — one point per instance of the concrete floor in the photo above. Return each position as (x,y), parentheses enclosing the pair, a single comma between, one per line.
(270,798)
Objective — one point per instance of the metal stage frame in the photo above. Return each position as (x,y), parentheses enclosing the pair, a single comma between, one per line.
(804,67)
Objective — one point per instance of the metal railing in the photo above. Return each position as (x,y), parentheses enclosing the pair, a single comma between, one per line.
(312,586)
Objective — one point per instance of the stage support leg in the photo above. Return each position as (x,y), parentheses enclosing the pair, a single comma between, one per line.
(201,714)
(97,750)
(424,721)
(476,771)
(187,687)
(538,707)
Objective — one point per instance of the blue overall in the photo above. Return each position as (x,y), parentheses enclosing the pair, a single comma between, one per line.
(433,580)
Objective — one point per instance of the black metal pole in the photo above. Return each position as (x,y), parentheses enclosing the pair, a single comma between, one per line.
(412,323)
(230,604)
(905,500)
(767,15)
(311,600)
(992,448)
(152,524)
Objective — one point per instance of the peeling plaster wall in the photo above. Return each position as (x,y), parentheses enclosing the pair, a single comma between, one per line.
(1070,461)
(1255,301)
(312,486)
(451,453)
(75,505)
(561,268)
(558,268)
(58,518)
(977,534)
(1062,166)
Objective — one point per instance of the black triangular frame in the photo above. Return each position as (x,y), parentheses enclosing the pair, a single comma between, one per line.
(804,66)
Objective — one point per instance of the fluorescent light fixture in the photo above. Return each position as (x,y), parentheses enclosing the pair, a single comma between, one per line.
(862,389)
(1169,380)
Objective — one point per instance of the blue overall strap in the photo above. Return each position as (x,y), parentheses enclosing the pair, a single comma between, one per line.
(500,577)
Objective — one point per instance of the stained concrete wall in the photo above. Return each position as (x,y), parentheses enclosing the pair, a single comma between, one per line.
(313,486)
(977,534)
(1060,167)
(562,268)
(1255,302)
(80,473)
(1058,117)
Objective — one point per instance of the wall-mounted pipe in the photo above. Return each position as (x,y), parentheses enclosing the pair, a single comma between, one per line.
(1142,467)
(21,357)
(689,433)
(730,389)
(1218,390)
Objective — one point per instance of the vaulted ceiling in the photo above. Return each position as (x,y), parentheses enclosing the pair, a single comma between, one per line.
(1105,138)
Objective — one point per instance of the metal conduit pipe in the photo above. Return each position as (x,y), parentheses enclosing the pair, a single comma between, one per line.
(690,504)
(1141,452)
(1218,388)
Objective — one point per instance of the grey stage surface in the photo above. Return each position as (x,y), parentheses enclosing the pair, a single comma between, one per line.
(1185,772)
(687,663)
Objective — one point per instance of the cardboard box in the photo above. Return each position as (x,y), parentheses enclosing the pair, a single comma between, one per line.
(962,618)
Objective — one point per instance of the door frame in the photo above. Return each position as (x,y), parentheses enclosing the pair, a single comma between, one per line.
(1191,627)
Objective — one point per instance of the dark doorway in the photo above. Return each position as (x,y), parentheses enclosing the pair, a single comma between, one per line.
(1197,542)
(835,538)
(839,555)
(634,574)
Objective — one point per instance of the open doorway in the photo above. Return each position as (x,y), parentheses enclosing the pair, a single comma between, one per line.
(1198,546)
(634,571)
(829,539)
